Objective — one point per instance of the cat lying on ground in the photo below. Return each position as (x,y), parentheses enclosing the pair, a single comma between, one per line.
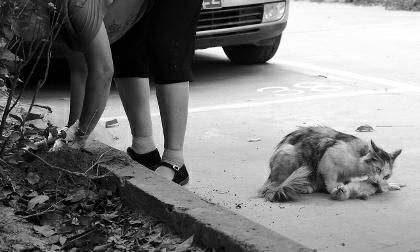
(313,159)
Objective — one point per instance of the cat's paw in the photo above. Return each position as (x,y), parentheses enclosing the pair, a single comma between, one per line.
(340,193)
(395,186)
(364,196)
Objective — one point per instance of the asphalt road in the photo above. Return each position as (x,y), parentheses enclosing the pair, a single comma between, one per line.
(338,65)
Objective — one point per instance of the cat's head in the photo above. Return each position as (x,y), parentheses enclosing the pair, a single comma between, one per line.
(380,163)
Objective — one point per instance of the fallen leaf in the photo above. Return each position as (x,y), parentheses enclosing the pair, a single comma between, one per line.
(32,194)
(12,161)
(7,190)
(62,240)
(32,178)
(37,200)
(85,220)
(51,219)
(109,217)
(111,123)
(19,247)
(135,223)
(54,239)
(185,245)
(17,118)
(55,248)
(32,116)
(80,195)
(46,230)
(101,248)
(364,128)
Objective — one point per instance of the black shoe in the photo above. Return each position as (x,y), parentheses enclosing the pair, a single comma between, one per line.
(181,174)
(150,159)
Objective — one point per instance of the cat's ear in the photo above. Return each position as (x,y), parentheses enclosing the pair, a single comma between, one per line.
(395,154)
(370,157)
(375,148)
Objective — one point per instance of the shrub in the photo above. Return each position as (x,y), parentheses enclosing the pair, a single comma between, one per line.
(412,5)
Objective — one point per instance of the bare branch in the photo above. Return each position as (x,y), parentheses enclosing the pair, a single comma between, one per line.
(98,161)
(79,174)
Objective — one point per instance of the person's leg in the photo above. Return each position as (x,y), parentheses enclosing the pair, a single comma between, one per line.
(131,77)
(78,77)
(135,96)
(99,61)
(173,37)
(173,106)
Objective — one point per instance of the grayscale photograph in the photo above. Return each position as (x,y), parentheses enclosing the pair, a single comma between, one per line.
(209,125)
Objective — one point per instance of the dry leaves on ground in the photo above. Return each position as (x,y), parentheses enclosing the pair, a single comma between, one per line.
(75,214)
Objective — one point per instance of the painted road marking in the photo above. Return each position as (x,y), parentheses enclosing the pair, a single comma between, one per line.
(318,86)
(281,90)
(349,75)
(394,87)
(301,87)
(272,102)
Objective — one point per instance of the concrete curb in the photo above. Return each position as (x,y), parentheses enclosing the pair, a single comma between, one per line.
(212,226)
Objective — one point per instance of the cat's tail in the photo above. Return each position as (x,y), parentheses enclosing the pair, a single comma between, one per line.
(298,182)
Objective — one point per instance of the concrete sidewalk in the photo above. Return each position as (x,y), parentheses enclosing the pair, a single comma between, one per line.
(211,225)
(385,222)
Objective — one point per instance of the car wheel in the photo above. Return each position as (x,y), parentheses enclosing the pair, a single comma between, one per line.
(252,54)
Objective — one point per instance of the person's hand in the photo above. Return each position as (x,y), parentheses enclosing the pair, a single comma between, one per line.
(70,137)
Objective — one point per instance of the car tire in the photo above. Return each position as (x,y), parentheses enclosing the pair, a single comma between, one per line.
(252,54)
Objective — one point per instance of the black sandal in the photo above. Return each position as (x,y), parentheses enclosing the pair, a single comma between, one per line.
(181,174)
(150,159)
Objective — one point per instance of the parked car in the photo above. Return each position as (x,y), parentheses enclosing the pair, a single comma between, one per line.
(248,30)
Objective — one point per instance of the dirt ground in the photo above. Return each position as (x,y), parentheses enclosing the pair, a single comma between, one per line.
(55,203)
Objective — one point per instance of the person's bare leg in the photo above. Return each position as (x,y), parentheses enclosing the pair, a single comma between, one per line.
(78,77)
(135,97)
(101,69)
(173,106)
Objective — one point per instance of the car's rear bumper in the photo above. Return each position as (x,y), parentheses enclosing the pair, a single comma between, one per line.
(252,34)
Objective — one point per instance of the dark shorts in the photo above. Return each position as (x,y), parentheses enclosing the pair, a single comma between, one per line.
(161,45)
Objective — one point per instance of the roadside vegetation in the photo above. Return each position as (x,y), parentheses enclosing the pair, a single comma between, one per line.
(409,5)
(54,201)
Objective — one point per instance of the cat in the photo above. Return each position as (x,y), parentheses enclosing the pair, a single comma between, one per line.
(314,159)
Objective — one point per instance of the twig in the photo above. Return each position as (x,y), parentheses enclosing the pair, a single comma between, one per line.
(73,239)
(44,107)
(79,174)
(97,161)
(2,173)
(4,161)
(48,210)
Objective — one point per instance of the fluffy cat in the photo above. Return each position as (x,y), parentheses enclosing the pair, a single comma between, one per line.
(313,159)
